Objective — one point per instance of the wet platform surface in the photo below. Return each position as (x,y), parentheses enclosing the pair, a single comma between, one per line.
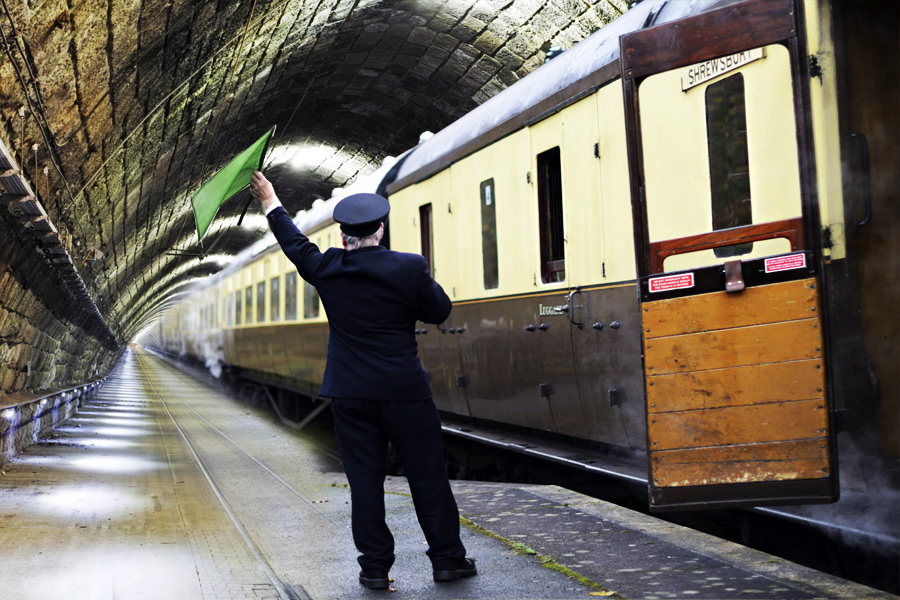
(164,487)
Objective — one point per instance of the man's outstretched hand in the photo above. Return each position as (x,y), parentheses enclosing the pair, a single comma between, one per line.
(261,189)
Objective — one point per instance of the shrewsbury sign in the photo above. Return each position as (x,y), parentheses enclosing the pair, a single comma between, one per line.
(697,74)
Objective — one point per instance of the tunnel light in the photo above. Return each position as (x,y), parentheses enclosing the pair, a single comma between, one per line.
(220,259)
(121,413)
(9,415)
(114,464)
(96,498)
(120,431)
(254,222)
(93,442)
(301,156)
(311,156)
(130,408)
(122,421)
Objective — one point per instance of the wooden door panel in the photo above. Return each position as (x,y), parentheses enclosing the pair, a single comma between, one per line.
(740,386)
(778,461)
(734,425)
(787,301)
(759,344)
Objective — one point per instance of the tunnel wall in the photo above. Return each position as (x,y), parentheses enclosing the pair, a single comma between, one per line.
(23,424)
(47,342)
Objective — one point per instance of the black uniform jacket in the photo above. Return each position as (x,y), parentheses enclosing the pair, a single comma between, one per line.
(373,297)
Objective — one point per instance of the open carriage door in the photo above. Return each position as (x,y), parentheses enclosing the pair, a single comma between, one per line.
(727,242)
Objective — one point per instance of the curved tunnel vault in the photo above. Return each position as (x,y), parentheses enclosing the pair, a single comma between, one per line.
(116,111)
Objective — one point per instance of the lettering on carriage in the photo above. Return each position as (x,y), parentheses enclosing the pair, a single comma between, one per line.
(550,311)
(696,74)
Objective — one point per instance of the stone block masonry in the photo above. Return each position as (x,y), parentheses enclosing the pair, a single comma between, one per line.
(45,344)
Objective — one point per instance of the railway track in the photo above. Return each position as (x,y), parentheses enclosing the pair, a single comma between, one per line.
(252,493)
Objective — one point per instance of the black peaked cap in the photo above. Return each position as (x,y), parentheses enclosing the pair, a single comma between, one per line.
(360,214)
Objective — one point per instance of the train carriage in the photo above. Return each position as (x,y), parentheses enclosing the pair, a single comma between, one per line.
(667,240)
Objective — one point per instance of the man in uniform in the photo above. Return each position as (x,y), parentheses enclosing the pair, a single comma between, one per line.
(379,390)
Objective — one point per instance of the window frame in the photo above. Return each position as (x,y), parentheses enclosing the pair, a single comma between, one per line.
(426,235)
(489,255)
(275,299)
(248,305)
(290,296)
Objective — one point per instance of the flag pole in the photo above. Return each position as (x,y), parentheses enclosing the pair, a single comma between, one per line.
(262,159)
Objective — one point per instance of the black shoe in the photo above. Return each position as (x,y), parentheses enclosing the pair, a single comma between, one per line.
(467,570)
(374,579)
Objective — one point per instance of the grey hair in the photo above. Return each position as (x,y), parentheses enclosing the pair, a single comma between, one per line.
(354,242)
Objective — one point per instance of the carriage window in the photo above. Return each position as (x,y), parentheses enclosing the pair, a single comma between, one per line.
(489,234)
(238,308)
(261,302)
(275,298)
(248,305)
(550,211)
(427,237)
(290,296)
(729,166)
(310,301)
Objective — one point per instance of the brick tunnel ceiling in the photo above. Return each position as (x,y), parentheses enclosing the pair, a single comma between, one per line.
(135,103)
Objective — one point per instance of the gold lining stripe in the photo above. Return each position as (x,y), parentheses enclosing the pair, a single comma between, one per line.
(544,294)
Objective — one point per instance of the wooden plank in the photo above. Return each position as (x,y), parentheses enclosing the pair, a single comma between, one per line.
(755,424)
(760,344)
(738,386)
(709,35)
(774,303)
(779,461)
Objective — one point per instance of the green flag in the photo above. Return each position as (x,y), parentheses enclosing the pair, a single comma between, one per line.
(230,179)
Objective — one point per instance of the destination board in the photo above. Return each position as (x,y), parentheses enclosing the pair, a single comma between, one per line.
(701,72)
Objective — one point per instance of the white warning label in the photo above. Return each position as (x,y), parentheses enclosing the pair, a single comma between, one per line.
(671,282)
(785,263)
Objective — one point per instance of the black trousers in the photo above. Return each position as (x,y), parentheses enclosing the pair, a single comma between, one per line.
(363,429)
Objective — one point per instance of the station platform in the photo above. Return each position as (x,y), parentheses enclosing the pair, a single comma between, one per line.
(163,486)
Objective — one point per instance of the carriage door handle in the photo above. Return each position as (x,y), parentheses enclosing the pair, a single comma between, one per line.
(571,306)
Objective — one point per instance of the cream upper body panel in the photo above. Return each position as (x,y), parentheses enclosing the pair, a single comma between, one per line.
(596,204)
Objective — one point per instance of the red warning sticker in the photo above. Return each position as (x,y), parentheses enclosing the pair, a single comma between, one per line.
(785,263)
(672,282)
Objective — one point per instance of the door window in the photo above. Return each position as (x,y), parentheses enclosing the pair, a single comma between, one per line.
(729,168)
